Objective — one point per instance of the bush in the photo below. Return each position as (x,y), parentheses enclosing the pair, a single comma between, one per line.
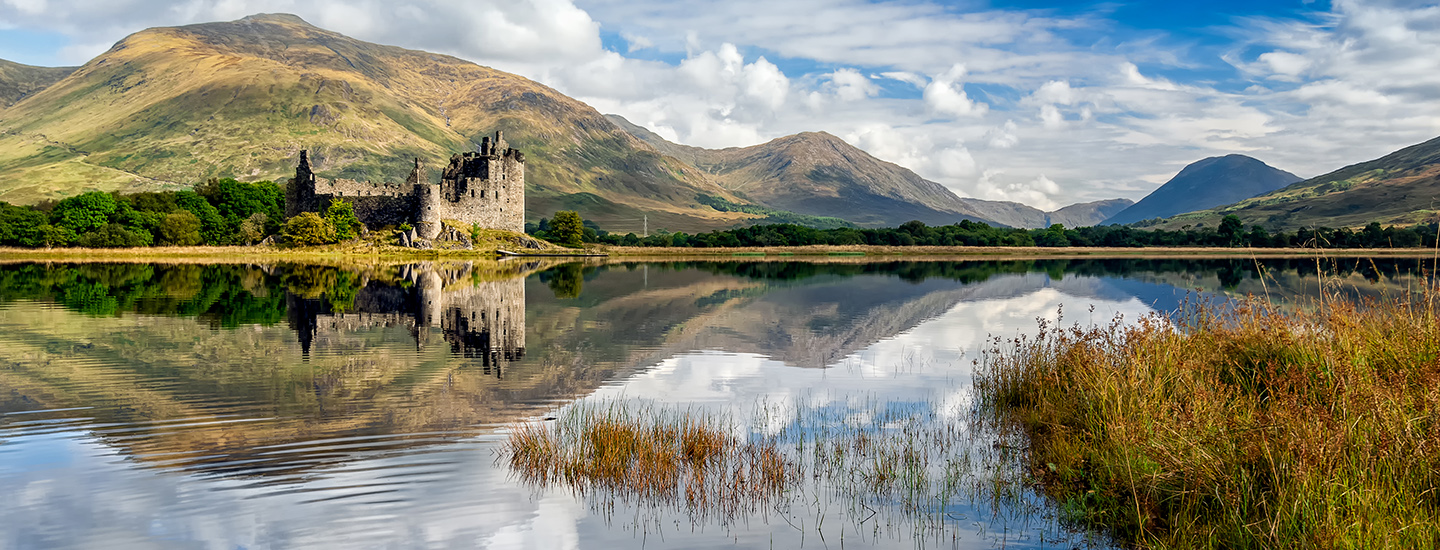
(252,230)
(309,229)
(180,228)
(341,216)
(113,235)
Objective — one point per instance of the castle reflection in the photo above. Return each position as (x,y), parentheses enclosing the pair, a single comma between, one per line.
(480,320)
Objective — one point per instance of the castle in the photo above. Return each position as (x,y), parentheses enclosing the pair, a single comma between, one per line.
(485,188)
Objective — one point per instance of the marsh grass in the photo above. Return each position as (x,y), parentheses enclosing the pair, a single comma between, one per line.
(653,456)
(1237,425)
(868,469)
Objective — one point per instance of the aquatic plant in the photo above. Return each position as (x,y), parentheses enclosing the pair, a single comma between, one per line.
(878,469)
(1239,425)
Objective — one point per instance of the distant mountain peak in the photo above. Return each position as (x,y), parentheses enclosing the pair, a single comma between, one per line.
(1207,183)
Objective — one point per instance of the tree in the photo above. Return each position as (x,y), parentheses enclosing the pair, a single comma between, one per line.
(1231,228)
(213,229)
(341,215)
(112,235)
(15,221)
(85,212)
(567,229)
(47,236)
(237,201)
(179,228)
(252,230)
(309,228)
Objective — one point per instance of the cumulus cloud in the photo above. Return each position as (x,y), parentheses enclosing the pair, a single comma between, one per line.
(945,95)
(850,85)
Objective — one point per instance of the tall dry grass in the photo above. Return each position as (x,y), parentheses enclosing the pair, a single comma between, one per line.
(872,470)
(664,457)
(1236,426)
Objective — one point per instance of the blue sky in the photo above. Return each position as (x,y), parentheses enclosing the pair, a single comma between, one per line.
(1045,103)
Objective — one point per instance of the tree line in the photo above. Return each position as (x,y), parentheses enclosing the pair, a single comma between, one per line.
(230,212)
(217,212)
(1230,232)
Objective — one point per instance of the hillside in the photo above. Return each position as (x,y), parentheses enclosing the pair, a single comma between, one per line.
(170,107)
(1089,213)
(819,174)
(1205,184)
(1400,188)
(20,81)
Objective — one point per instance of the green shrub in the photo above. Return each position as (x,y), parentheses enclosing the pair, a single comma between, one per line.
(113,235)
(179,228)
(252,230)
(341,216)
(309,229)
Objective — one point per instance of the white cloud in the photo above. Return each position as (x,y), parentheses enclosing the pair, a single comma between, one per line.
(635,42)
(945,95)
(850,85)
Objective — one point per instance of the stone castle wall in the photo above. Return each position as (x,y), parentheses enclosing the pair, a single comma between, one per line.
(485,188)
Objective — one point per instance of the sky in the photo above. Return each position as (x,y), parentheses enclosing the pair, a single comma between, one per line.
(1045,103)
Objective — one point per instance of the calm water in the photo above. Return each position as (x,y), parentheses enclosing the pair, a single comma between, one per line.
(284,406)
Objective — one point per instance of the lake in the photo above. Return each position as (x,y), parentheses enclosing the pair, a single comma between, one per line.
(368,406)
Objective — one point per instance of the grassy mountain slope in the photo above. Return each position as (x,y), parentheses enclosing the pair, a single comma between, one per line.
(819,174)
(1205,184)
(19,81)
(173,106)
(1400,188)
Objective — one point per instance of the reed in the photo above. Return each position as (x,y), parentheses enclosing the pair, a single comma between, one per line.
(882,469)
(655,456)
(1236,425)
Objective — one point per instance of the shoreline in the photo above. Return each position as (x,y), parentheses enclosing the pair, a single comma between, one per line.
(858,254)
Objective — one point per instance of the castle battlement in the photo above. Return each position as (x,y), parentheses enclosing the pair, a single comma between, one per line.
(484,187)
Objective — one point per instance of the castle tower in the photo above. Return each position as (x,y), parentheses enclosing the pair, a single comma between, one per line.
(427,210)
(300,194)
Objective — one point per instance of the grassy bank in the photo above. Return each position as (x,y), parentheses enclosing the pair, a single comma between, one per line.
(890,252)
(1247,427)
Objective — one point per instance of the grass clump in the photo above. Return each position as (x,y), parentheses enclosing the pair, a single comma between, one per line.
(653,456)
(1237,427)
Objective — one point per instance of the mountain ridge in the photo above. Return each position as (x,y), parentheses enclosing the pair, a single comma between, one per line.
(169,107)
(1402,187)
(1207,183)
(813,172)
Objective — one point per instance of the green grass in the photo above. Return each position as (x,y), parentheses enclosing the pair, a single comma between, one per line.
(1242,427)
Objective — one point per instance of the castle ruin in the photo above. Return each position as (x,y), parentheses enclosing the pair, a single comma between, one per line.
(486,188)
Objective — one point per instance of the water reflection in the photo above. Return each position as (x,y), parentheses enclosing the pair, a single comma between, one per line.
(301,405)
(480,319)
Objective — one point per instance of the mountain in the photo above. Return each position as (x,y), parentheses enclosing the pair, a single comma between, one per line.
(1400,188)
(1087,214)
(170,107)
(818,174)
(1204,184)
(19,81)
